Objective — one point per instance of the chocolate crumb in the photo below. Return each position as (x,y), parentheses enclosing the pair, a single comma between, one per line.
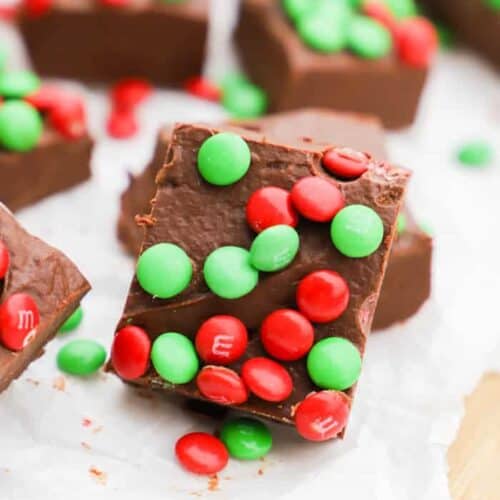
(100,476)
(59,383)
(213,483)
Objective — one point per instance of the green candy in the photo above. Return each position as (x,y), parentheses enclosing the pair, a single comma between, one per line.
(20,126)
(492,4)
(274,248)
(401,223)
(368,39)
(81,357)
(295,9)
(446,36)
(174,358)
(233,79)
(229,274)
(246,438)
(164,270)
(73,322)
(224,159)
(357,231)
(475,154)
(18,84)
(334,363)
(402,8)
(244,100)
(325,30)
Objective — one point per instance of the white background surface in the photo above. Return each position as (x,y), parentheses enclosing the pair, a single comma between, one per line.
(415,376)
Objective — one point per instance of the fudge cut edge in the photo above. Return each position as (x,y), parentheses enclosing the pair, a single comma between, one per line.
(382,187)
(49,277)
(295,76)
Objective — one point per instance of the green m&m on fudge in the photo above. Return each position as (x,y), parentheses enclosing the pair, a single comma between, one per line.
(21,126)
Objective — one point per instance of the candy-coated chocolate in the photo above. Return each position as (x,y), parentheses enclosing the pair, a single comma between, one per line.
(317,199)
(4,260)
(322,415)
(322,296)
(246,438)
(67,115)
(203,88)
(229,273)
(122,124)
(334,363)
(18,84)
(164,270)
(130,352)
(37,8)
(402,9)
(287,335)
(267,379)
(381,13)
(295,9)
(222,340)
(274,248)
(201,453)
(19,319)
(357,231)
(244,101)
(368,39)
(417,41)
(346,163)
(81,357)
(129,93)
(174,358)
(270,206)
(475,154)
(221,385)
(45,97)
(224,159)
(73,322)
(21,126)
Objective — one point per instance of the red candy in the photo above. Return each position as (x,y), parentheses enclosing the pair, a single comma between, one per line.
(322,415)
(67,116)
(4,260)
(202,88)
(201,453)
(287,335)
(267,379)
(416,41)
(317,199)
(270,206)
(222,340)
(122,124)
(346,163)
(381,13)
(37,8)
(115,3)
(45,98)
(221,385)
(130,352)
(19,318)
(8,12)
(129,93)
(322,296)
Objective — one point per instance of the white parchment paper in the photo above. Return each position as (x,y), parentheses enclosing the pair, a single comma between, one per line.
(62,437)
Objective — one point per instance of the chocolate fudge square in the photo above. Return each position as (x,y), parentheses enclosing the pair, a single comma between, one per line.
(55,164)
(203,222)
(87,40)
(39,289)
(295,76)
(411,256)
(476,22)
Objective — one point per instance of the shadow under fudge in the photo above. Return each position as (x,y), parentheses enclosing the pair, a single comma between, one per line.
(407,283)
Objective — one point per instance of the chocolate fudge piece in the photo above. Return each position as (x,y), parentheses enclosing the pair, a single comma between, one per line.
(296,76)
(200,217)
(476,22)
(407,282)
(49,278)
(54,165)
(87,40)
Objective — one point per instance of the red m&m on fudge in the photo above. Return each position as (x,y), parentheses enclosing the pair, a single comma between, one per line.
(346,163)
(130,352)
(221,340)
(19,318)
(322,415)
(4,260)
(221,385)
